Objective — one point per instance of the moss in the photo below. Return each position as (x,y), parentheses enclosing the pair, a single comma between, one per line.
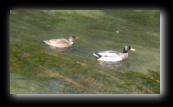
(145,83)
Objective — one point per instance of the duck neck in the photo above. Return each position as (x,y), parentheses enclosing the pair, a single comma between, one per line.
(125,51)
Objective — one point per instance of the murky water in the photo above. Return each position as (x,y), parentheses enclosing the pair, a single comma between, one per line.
(36,68)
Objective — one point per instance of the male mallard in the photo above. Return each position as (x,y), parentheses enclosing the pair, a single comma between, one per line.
(61,43)
(113,55)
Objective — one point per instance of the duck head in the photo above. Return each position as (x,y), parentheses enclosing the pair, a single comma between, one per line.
(127,48)
(72,38)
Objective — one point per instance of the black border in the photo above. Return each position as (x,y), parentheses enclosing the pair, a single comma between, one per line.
(157,99)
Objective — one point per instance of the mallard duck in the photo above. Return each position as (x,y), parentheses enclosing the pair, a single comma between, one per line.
(113,56)
(61,43)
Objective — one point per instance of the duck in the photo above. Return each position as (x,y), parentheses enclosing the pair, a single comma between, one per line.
(113,56)
(62,42)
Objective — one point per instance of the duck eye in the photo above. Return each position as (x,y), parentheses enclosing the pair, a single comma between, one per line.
(129,47)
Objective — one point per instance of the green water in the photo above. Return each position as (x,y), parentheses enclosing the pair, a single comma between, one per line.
(35,68)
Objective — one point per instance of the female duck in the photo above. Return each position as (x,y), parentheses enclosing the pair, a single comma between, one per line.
(113,56)
(61,43)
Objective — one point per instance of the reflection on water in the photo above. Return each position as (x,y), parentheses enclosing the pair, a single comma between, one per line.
(110,64)
(106,66)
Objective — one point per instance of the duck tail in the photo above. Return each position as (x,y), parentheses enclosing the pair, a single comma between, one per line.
(45,41)
(97,55)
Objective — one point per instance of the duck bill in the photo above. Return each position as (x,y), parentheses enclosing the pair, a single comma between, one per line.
(76,37)
(132,49)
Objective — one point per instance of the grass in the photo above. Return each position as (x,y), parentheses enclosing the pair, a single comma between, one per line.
(75,72)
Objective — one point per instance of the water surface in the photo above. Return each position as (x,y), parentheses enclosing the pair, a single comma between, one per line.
(36,68)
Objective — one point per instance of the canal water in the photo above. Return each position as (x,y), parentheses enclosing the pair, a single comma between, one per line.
(35,68)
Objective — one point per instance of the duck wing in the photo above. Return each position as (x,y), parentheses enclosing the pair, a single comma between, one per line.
(109,53)
(110,56)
